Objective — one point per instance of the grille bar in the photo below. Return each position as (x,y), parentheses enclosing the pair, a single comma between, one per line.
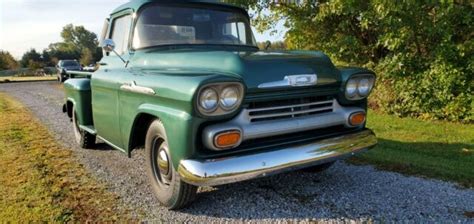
(291,113)
(290,106)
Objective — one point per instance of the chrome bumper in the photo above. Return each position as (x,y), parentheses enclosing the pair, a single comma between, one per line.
(211,172)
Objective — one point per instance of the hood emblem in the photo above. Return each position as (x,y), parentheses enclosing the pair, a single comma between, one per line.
(292,80)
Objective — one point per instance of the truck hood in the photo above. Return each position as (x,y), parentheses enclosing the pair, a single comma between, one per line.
(254,68)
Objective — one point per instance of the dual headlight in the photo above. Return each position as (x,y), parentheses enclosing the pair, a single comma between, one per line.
(219,99)
(359,86)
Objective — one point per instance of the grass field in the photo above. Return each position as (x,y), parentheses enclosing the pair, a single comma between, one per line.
(26,78)
(440,150)
(40,180)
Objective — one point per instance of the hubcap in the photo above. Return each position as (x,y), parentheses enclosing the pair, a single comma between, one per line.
(163,163)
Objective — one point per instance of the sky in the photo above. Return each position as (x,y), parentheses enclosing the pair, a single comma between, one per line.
(26,24)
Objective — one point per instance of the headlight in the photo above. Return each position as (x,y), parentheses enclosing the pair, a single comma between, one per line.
(229,97)
(351,88)
(220,98)
(208,99)
(364,87)
(359,86)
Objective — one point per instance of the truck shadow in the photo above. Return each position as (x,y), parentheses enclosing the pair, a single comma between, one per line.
(100,146)
(343,191)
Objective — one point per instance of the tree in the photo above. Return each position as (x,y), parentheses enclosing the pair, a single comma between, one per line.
(277,45)
(77,42)
(30,57)
(7,62)
(86,57)
(79,37)
(422,51)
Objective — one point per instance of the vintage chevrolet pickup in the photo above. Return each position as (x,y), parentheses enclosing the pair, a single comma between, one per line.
(186,81)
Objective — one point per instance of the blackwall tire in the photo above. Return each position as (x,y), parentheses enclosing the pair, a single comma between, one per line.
(83,138)
(167,185)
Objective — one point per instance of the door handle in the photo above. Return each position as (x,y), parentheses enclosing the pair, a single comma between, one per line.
(134,88)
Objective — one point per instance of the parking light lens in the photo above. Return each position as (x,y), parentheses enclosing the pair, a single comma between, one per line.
(227,139)
(357,119)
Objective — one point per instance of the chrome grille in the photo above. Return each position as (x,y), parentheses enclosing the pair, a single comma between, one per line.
(290,108)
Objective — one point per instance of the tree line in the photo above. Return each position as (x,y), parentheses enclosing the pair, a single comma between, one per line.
(422,51)
(77,43)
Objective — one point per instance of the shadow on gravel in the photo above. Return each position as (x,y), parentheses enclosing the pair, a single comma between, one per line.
(342,192)
(298,195)
(103,147)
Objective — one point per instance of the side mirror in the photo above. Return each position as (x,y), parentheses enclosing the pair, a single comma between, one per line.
(108,45)
(268,44)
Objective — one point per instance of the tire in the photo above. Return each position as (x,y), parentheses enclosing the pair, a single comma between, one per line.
(167,185)
(318,168)
(61,76)
(83,138)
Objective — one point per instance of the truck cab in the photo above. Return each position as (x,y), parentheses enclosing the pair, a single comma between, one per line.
(186,81)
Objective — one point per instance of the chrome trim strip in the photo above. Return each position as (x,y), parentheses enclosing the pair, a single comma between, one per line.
(134,88)
(292,80)
(211,172)
(253,130)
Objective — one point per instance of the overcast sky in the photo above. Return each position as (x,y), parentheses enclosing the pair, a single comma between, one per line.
(26,24)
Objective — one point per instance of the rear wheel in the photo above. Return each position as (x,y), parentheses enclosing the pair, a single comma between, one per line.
(165,181)
(83,138)
(319,168)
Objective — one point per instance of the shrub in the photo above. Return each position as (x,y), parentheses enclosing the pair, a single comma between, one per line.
(422,51)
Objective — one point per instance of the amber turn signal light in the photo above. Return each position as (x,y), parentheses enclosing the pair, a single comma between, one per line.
(227,139)
(357,118)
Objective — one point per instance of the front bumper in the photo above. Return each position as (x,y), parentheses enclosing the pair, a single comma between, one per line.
(211,172)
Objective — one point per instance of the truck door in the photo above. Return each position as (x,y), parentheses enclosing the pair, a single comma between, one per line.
(107,80)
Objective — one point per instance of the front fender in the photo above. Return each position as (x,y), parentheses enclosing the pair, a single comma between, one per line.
(181,129)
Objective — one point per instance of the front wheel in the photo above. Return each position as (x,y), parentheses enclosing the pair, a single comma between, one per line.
(165,181)
(83,138)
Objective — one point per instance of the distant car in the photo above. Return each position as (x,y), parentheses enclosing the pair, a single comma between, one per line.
(67,65)
(90,68)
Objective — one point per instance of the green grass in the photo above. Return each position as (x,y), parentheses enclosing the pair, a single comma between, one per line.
(26,78)
(440,150)
(40,181)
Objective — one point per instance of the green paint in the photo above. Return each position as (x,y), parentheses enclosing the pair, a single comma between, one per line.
(176,74)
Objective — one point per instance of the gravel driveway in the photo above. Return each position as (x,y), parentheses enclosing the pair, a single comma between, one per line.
(342,193)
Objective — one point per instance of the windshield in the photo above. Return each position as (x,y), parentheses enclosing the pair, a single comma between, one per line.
(191,24)
(70,63)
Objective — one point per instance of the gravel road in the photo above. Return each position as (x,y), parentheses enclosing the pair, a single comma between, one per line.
(341,194)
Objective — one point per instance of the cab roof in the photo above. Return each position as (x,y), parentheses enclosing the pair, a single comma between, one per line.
(135,5)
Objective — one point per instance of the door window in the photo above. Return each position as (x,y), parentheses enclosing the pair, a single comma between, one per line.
(121,33)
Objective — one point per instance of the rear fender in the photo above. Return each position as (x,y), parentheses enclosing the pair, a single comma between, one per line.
(78,94)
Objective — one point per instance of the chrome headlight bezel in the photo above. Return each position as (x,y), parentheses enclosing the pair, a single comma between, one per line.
(221,108)
(364,86)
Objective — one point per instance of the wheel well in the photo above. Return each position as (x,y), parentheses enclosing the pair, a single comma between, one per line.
(140,127)
(69,106)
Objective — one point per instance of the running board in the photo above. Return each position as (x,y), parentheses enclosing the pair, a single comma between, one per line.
(88,128)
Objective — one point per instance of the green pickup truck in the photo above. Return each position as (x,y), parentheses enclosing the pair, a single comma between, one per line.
(186,81)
